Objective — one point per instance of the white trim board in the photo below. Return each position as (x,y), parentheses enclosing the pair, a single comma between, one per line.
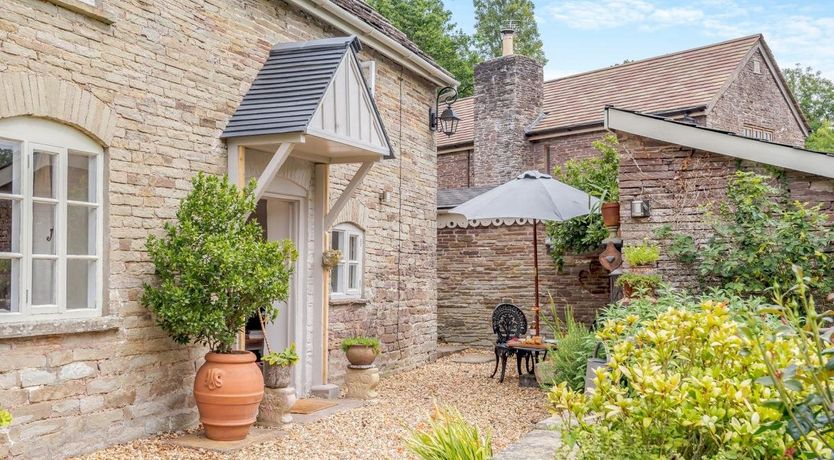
(727,144)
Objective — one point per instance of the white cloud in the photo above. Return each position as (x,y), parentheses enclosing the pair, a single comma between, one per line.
(800,32)
(607,14)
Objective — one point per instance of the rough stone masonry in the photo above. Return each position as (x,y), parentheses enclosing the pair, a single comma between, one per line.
(156,88)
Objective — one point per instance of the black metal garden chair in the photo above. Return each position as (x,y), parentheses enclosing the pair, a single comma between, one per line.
(508,322)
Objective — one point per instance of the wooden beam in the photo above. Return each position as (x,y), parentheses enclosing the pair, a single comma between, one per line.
(347,193)
(241,166)
(278,159)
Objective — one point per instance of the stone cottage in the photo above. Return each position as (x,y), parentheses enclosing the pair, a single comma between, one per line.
(516,122)
(108,108)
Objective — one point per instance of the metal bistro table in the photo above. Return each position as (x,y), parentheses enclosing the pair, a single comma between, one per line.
(530,353)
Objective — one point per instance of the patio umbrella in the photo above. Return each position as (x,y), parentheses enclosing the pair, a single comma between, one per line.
(532,195)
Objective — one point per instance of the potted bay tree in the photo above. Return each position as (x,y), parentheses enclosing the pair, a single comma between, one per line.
(215,270)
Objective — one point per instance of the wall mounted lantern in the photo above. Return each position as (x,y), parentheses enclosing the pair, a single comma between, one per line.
(640,208)
(447,122)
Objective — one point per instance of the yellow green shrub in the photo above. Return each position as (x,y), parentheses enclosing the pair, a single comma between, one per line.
(682,386)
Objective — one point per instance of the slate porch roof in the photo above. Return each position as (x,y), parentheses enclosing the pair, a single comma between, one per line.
(290,86)
(683,80)
(449,198)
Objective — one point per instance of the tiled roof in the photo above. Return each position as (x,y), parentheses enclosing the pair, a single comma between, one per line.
(371,17)
(449,198)
(679,80)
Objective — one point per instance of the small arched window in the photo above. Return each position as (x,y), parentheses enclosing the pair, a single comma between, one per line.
(346,277)
(51,231)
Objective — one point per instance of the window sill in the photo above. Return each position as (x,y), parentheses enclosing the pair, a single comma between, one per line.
(59,327)
(348,301)
(85,9)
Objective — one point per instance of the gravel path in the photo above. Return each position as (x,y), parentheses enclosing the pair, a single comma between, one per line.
(376,431)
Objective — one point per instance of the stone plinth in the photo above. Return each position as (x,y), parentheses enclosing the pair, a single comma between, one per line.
(276,405)
(361,382)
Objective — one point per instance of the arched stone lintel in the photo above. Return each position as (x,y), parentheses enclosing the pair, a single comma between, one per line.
(354,213)
(46,96)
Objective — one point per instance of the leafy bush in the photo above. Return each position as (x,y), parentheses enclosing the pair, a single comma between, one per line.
(681,387)
(214,267)
(359,341)
(757,236)
(644,254)
(5,418)
(575,344)
(640,282)
(285,358)
(447,436)
(596,176)
(805,402)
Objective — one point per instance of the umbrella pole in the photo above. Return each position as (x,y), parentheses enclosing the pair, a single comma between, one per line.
(537,309)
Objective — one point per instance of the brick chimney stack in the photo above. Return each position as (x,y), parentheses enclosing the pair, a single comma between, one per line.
(508,97)
(507,35)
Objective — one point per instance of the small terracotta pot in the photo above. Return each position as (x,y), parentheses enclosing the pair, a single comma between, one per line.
(228,389)
(642,269)
(360,355)
(277,376)
(611,214)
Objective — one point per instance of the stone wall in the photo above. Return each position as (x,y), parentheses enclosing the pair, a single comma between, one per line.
(454,170)
(173,72)
(481,267)
(755,99)
(400,235)
(556,150)
(678,182)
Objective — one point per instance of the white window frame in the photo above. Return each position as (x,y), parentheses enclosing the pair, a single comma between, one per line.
(45,135)
(343,290)
(757,132)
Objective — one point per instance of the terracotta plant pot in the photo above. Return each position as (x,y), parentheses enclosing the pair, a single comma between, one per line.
(611,214)
(277,376)
(359,355)
(228,389)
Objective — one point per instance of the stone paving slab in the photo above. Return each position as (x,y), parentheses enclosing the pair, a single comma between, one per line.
(535,445)
(473,359)
(199,441)
(446,350)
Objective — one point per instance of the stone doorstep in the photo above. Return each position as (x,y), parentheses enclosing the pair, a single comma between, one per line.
(199,441)
(343,405)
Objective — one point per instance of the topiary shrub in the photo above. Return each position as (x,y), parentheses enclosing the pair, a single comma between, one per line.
(214,267)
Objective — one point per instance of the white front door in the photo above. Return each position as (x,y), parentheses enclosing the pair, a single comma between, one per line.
(282,223)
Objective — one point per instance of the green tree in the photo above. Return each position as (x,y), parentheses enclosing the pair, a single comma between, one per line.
(822,139)
(492,15)
(429,25)
(814,93)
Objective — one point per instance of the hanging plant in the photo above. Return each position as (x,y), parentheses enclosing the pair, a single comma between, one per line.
(330,258)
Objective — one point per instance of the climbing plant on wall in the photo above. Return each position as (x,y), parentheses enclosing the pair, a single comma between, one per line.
(597,176)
